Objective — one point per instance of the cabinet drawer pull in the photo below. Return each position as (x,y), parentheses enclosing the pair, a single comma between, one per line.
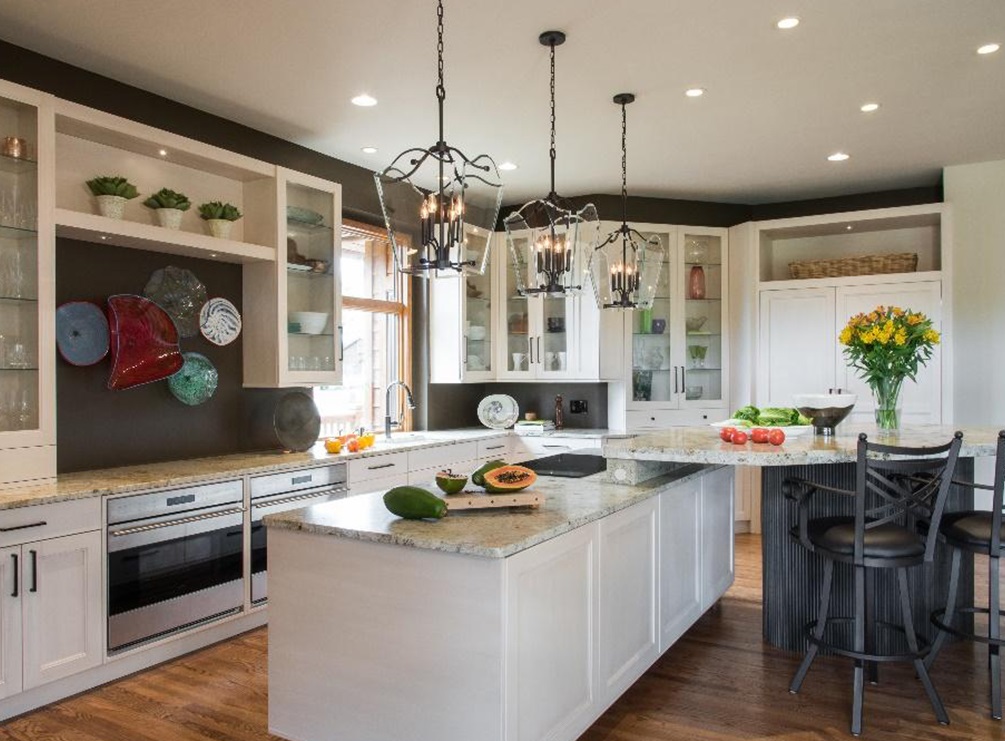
(382,465)
(43,523)
(494,447)
(16,591)
(34,571)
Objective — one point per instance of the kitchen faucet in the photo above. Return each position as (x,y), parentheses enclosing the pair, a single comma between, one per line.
(387,407)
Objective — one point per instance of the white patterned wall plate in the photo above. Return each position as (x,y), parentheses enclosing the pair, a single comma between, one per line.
(219,321)
(498,411)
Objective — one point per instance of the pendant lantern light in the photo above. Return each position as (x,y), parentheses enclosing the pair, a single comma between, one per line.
(548,238)
(625,267)
(440,207)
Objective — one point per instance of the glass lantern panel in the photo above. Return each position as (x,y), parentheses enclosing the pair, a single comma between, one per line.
(550,246)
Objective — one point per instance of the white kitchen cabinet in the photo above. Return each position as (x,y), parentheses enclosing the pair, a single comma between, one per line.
(717,547)
(673,363)
(525,447)
(799,351)
(27,283)
(629,597)
(544,338)
(679,561)
(293,332)
(462,319)
(51,610)
(551,639)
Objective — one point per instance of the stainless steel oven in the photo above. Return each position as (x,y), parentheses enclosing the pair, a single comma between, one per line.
(278,493)
(175,560)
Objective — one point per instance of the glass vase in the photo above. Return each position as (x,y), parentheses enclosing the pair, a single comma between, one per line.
(886,393)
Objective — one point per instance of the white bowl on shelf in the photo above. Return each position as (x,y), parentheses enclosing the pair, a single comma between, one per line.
(311,322)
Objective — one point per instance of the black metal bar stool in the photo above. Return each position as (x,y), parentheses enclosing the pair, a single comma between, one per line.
(976,531)
(896,487)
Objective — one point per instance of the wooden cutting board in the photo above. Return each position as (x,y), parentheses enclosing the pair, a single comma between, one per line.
(483,500)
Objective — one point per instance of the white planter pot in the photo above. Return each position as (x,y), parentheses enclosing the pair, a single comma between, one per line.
(220,227)
(111,206)
(169,218)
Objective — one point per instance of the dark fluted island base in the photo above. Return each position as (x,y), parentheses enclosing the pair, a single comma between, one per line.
(792,575)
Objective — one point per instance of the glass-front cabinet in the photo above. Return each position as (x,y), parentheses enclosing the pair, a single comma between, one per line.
(306,344)
(27,357)
(676,352)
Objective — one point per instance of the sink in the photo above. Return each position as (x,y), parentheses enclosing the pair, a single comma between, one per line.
(401,438)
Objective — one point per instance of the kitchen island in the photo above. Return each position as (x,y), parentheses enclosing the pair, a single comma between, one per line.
(792,575)
(506,625)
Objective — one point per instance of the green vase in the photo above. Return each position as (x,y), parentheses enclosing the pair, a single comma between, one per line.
(886,393)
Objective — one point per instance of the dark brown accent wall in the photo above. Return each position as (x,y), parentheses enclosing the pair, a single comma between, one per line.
(454,405)
(99,428)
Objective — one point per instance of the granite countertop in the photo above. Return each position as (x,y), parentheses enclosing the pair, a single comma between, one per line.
(127,479)
(702,445)
(568,504)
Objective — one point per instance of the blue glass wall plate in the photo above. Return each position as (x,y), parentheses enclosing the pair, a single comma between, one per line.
(81,332)
(219,321)
(196,382)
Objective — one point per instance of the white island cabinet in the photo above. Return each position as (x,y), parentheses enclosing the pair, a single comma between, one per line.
(497,626)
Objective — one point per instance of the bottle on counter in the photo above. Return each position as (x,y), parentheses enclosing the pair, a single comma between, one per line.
(559,421)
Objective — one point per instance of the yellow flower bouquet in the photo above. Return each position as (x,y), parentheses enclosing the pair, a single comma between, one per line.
(886,346)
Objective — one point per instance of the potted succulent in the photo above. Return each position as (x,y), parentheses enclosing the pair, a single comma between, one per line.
(169,207)
(220,217)
(112,192)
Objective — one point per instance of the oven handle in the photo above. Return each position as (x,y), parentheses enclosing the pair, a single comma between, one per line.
(173,523)
(296,498)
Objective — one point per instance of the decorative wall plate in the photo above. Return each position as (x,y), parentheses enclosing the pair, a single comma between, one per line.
(196,382)
(180,294)
(498,411)
(219,321)
(303,215)
(143,342)
(297,421)
(81,332)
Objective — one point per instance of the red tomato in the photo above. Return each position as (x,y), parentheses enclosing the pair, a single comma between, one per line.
(776,437)
(759,435)
(726,434)
(739,437)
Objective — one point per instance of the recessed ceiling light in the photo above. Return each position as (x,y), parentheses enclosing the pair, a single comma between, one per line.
(869,107)
(507,166)
(369,150)
(212,254)
(694,92)
(787,23)
(104,236)
(364,100)
(163,153)
(838,157)
(988,48)
(849,227)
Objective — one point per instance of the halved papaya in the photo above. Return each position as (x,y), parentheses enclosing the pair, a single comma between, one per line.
(508,478)
(478,477)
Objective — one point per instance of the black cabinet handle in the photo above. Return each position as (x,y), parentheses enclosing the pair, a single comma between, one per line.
(341,344)
(43,523)
(675,389)
(34,571)
(17,590)
(382,465)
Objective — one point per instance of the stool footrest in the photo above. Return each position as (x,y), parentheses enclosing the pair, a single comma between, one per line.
(937,618)
(923,645)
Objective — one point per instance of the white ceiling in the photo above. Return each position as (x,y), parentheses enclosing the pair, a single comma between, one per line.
(778,102)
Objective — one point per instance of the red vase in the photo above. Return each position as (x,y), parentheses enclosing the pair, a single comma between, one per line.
(696,284)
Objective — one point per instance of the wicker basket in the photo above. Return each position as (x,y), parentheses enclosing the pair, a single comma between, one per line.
(900,262)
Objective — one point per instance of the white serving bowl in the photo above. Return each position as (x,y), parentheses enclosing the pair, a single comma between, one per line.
(311,322)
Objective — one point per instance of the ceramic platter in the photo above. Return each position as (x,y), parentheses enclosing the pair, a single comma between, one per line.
(791,431)
(498,411)
(219,321)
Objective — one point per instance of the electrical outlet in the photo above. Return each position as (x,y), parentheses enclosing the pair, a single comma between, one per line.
(577,406)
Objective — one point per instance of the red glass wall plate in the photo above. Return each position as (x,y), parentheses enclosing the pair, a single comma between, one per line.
(144,342)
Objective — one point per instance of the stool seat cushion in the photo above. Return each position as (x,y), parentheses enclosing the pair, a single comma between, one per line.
(889,540)
(971,528)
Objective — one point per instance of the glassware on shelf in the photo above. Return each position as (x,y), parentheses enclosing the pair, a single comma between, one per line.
(696,283)
(17,355)
(11,274)
(697,353)
(695,250)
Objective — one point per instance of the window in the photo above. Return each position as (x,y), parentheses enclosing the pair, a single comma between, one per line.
(376,333)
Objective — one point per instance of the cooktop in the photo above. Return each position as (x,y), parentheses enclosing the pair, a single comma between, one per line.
(569,465)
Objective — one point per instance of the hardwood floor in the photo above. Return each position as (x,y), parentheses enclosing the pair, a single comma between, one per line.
(719,683)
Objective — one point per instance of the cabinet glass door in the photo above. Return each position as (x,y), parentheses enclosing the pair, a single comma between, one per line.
(478,309)
(552,353)
(517,321)
(313,345)
(701,283)
(20,387)
(655,374)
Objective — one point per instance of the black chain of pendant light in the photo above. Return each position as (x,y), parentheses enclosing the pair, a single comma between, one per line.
(442,230)
(552,39)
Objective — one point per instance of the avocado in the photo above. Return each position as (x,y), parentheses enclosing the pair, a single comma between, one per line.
(414,503)
(478,477)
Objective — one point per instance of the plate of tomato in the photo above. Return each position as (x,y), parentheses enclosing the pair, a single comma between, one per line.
(790,431)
